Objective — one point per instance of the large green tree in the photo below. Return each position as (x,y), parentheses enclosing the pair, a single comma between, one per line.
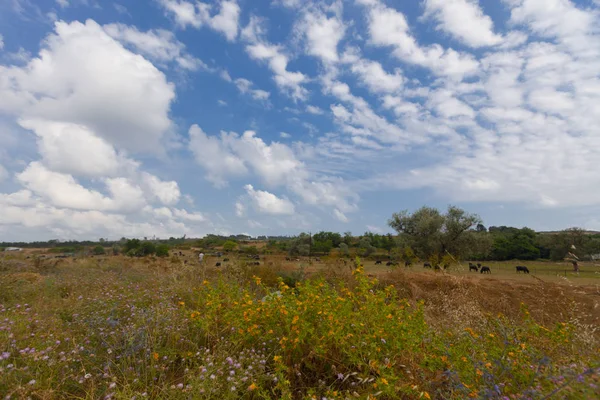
(430,233)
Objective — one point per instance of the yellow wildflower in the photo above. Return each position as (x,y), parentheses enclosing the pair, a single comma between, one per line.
(252,387)
(155,356)
(426,395)
(277,358)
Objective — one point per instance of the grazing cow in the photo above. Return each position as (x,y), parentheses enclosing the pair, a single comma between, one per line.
(389,263)
(473,267)
(478,265)
(225,259)
(257,263)
(407,264)
(218,264)
(377,262)
(426,265)
(486,270)
(521,268)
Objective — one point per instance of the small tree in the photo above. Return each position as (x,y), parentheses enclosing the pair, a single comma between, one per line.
(344,250)
(253,250)
(98,250)
(229,245)
(146,249)
(162,250)
(131,244)
(365,246)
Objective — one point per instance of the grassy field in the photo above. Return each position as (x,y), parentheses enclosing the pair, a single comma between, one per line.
(123,328)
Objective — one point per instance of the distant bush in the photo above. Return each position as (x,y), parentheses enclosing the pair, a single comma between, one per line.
(98,250)
(147,249)
(162,250)
(229,245)
(249,250)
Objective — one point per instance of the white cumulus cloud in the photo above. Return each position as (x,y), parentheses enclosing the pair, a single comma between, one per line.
(268,203)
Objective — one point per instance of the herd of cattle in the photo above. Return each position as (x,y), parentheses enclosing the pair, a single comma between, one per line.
(255,260)
(472,267)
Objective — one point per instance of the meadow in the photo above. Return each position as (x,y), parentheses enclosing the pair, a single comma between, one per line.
(115,327)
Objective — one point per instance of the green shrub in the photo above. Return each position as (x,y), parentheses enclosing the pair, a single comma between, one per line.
(98,250)
(162,250)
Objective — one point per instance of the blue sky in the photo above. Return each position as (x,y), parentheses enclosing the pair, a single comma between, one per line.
(172,117)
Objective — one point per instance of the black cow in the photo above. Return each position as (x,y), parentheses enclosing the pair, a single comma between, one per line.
(521,268)
(218,264)
(478,265)
(257,263)
(225,259)
(426,265)
(377,262)
(486,270)
(389,263)
(407,264)
(473,267)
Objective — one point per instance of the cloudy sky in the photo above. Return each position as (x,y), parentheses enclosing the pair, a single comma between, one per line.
(172,117)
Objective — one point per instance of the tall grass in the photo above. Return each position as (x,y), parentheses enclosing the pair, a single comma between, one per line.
(125,329)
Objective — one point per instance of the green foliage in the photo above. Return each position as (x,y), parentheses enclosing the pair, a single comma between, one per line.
(334,238)
(300,246)
(251,250)
(230,245)
(322,247)
(138,248)
(146,249)
(408,255)
(344,250)
(162,250)
(98,250)
(479,246)
(431,233)
(365,247)
(131,244)
(516,244)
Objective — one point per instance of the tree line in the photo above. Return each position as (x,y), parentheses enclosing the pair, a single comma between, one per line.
(425,234)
